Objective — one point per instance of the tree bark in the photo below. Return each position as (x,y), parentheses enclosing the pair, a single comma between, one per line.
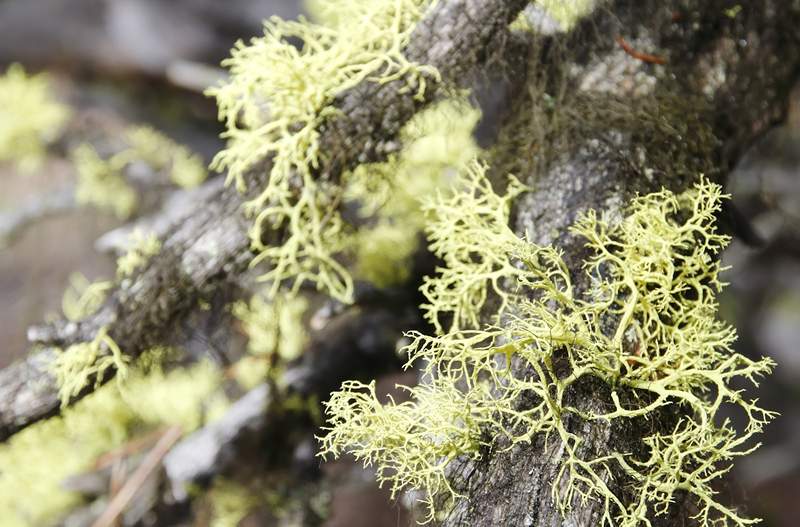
(624,126)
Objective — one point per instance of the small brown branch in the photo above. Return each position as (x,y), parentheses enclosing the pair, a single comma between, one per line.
(644,57)
(153,460)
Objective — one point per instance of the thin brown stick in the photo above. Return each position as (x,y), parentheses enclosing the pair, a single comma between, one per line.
(644,57)
(121,501)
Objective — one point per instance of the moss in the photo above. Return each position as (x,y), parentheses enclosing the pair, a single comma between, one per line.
(276,101)
(646,327)
(30,117)
(38,459)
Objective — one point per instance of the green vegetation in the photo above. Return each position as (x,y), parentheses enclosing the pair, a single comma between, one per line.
(275,335)
(646,326)
(142,248)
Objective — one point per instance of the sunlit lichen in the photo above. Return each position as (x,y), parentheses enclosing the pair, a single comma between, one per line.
(185,169)
(647,327)
(230,503)
(88,362)
(278,98)
(142,248)
(566,12)
(30,117)
(36,461)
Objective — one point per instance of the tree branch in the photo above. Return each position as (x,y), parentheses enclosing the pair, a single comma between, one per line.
(210,247)
(629,128)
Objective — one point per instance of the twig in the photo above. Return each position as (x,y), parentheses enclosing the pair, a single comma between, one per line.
(138,478)
(131,447)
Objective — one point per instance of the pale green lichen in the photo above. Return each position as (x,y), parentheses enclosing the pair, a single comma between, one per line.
(36,461)
(101,184)
(566,12)
(82,297)
(146,144)
(86,362)
(275,335)
(276,101)
(437,143)
(142,248)
(102,181)
(647,327)
(30,117)
(230,502)
(468,216)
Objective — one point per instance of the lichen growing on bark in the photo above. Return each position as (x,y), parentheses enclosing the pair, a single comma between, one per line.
(646,327)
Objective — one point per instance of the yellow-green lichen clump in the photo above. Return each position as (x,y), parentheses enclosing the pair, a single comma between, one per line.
(647,327)
(277,99)
(30,117)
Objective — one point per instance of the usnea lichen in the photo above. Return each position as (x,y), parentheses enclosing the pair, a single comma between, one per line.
(37,460)
(437,144)
(30,117)
(278,98)
(646,327)
(101,184)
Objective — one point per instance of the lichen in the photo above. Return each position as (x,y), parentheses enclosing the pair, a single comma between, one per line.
(646,327)
(84,363)
(142,248)
(389,196)
(30,117)
(102,180)
(37,460)
(278,98)
(275,335)
(101,184)
(83,298)
(146,144)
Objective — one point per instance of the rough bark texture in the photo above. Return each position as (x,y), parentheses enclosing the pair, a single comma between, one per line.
(209,248)
(630,130)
